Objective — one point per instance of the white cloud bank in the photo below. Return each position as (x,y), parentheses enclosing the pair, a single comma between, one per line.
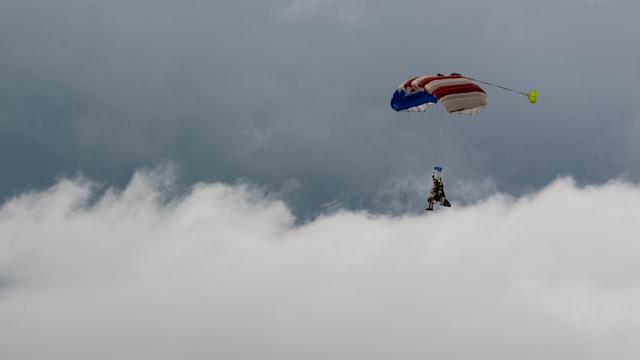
(223,273)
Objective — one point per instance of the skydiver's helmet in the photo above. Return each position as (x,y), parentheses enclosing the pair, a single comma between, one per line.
(436,171)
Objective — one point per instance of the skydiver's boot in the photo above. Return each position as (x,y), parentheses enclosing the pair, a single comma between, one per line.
(446,203)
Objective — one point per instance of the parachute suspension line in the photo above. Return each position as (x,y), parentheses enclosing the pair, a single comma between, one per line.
(531,95)
(499,86)
(438,140)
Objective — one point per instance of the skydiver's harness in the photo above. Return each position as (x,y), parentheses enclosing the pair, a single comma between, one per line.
(438,187)
(437,192)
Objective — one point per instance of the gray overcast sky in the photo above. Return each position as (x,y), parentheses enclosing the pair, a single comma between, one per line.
(294,94)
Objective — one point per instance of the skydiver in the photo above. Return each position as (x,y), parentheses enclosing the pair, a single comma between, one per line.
(437,192)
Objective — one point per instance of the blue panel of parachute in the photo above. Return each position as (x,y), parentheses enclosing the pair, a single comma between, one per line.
(402,100)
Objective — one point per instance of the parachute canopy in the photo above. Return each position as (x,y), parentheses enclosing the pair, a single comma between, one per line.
(457,94)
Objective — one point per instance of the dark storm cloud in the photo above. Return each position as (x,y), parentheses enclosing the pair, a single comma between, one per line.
(297,92)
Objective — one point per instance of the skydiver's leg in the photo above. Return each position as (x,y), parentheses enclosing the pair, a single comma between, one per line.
(443,200)
(430,200)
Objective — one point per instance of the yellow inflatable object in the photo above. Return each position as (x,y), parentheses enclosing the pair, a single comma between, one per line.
(533,96)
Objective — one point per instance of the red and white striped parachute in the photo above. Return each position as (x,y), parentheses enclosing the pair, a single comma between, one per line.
(457,94)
